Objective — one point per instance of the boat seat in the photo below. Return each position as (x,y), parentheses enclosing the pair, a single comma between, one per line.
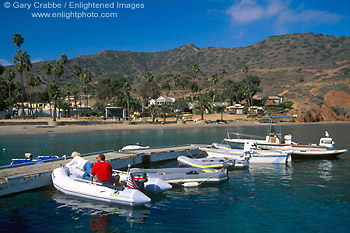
(192,173)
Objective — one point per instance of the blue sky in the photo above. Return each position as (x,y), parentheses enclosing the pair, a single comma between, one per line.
(165,24)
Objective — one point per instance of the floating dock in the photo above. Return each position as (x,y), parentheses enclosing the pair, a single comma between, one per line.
(14,179)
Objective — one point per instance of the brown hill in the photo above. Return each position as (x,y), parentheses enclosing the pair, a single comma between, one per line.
(312,70)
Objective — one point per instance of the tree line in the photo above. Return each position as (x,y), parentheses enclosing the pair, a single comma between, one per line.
(191,86)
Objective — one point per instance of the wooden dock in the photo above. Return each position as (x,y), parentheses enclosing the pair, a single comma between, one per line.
(23,178)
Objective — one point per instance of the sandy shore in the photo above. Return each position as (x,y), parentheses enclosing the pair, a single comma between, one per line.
(45,125)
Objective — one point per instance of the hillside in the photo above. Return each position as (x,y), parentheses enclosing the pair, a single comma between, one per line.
(312,70)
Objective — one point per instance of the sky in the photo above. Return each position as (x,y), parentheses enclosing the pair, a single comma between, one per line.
(158,25)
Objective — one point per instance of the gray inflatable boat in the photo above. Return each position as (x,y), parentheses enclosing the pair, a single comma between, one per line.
(216,163)
(187,176)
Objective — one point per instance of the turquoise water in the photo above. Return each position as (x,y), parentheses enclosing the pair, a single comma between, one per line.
(307,196)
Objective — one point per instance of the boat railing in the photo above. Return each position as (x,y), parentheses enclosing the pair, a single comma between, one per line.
(231,135)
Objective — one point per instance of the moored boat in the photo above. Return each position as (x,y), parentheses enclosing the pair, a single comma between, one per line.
(250,153)
(186,176)
(39,159)
(138,146)
(216,163)
(325,149)
(78,187)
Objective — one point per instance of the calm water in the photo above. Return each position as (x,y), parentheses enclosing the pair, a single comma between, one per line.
(307,196)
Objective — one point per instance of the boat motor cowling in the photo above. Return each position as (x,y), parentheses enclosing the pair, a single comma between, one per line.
(140,178)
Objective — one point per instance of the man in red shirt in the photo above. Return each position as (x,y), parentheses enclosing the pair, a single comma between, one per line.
(103,171)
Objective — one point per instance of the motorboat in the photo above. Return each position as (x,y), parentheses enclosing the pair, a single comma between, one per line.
(216,163)
(186,176)
(325,149)
(71,185)
(316,154)
(138,146)
(39,159)
(142,182)
(250,153)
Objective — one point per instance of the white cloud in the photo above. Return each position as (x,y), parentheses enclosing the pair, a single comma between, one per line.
(4,62)
(34,60)
(251,11)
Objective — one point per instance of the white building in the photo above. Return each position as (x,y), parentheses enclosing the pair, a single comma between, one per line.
(162,100)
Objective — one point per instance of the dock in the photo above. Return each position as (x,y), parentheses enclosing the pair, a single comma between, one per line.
(14,179)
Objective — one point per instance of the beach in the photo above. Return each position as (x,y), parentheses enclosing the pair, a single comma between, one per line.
(70,125)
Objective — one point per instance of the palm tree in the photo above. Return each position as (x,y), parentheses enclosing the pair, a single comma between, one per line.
(127,90)
(77,73)
(18,40)
(10,75)
(153,109)
(55,93)
(215,80)
(196,70)
(30,81)
(164,109)
(47,68)
(75,92)
(85,78)
(58,72)
(22,61)
(176,80)
(37,82)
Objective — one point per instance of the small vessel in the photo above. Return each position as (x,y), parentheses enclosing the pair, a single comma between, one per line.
(40,159)
(74,186)
(325,149)
(216,163)
(138,146)
(186,176)
(250,153)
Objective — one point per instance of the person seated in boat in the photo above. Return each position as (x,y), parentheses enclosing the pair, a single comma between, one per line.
(80,166)
(103,171)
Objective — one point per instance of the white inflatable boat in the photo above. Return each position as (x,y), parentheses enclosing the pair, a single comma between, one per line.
(78,187)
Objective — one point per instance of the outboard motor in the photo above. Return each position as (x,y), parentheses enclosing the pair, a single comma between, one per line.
(140,179)
(28,156)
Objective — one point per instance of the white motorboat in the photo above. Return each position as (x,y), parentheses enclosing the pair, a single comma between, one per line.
(186,176)
(138,146)
(325,149)
(216,163)
(74,186)
(250,154)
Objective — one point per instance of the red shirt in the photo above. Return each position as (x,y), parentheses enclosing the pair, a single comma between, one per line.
(103,170)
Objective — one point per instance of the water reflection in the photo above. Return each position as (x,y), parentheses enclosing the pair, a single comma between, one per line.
(277,170)
(101,212)
(325,170)
(100,223)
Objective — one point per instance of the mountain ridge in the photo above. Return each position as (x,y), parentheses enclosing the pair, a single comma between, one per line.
(303,66)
